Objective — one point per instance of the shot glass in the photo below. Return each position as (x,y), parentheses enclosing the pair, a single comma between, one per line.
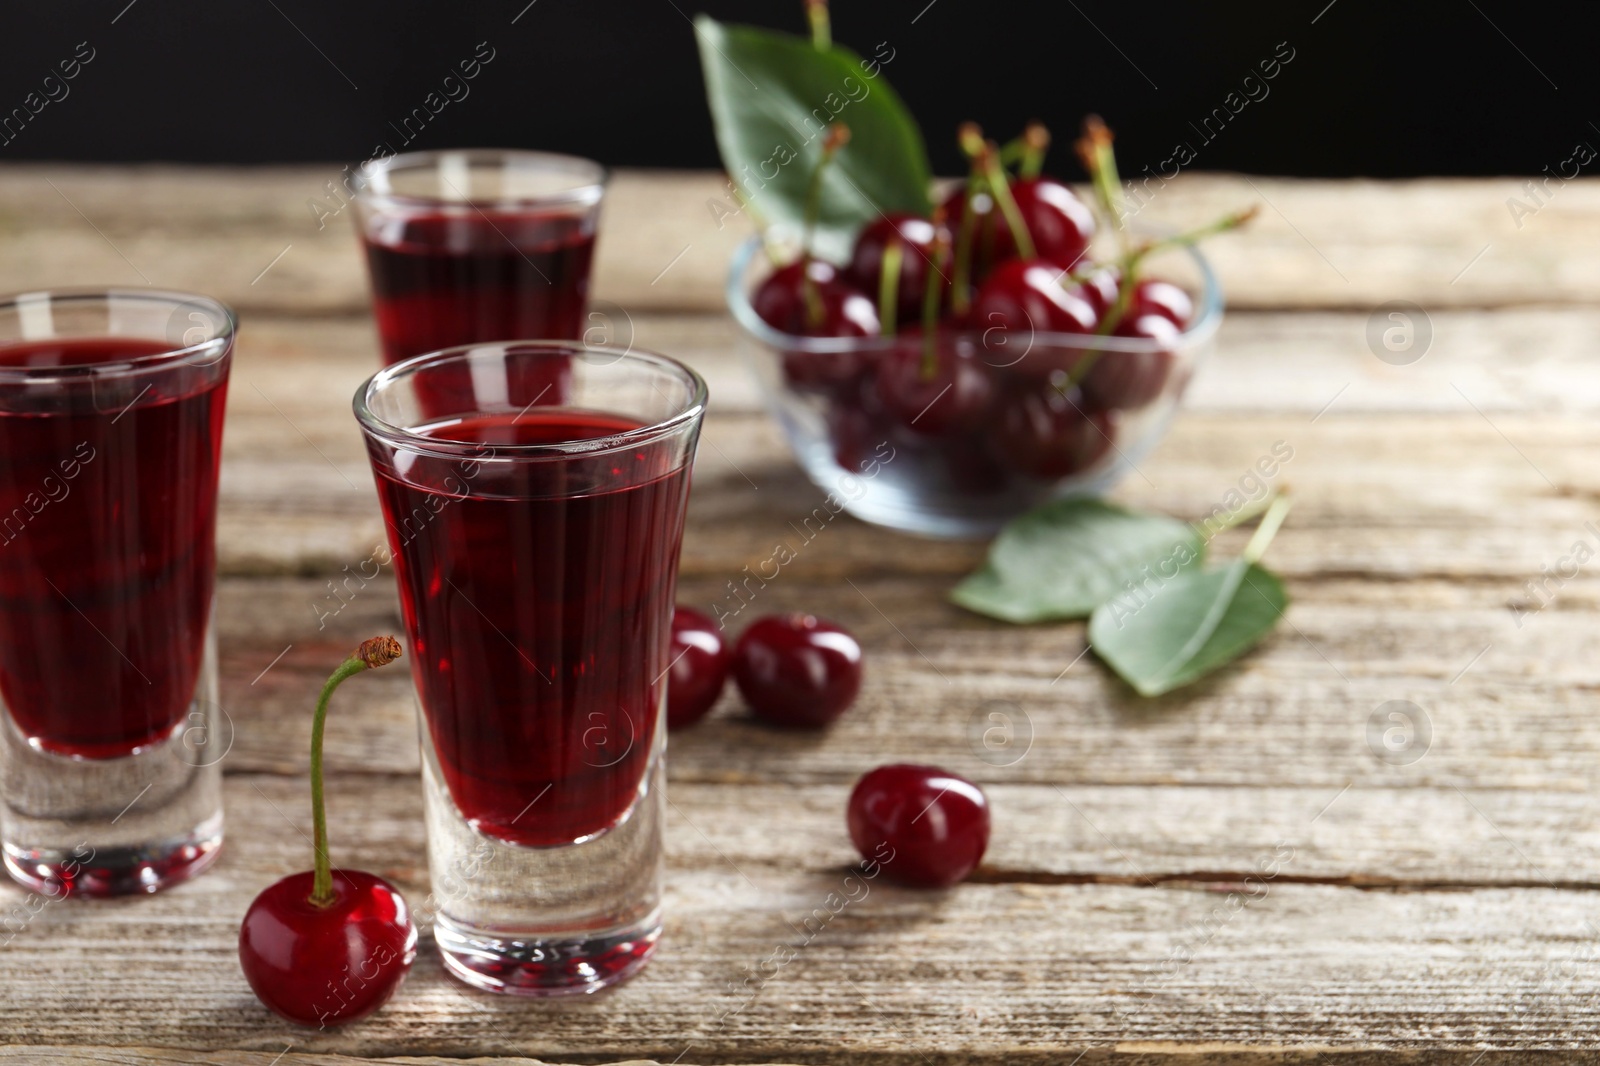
(478,245)
(111,407)
(535,534)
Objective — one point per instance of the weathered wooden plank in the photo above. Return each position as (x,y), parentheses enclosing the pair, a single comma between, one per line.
(1374,835)
(891,973)
(1401,469)
(1130,1053)
(1266,361)
(1506,707)
(1438,242)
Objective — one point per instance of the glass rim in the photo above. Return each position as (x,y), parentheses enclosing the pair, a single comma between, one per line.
(377,171)
(1206,321)
(374,426)
(222,338)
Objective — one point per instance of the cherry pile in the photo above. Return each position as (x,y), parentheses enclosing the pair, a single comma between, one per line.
(978,324)
(793,670)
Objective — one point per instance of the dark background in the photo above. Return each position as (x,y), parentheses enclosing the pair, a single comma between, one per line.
(1377,87)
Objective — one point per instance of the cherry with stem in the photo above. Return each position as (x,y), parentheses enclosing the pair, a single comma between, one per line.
(326,947)
(986,159)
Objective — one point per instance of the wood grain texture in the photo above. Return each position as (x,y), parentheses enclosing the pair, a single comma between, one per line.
(1316,244)
(1254,957)
(1453,465)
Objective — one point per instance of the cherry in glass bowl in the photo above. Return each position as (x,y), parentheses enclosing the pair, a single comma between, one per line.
(1028,416)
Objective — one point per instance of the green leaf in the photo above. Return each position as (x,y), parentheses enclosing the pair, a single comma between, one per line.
(1068,557)
(1193,624)
(772,97)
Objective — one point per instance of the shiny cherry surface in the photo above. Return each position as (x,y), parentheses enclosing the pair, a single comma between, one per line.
(1047,434)
(1021,300)
(1154,297)
(1060,224)
(843,310)
(699,669)
(915,235)
(926,826)
(324,966)
(797,670)
(935,391)
(1127,380)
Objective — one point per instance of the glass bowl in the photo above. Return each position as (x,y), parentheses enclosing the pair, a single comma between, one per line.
(1068,414)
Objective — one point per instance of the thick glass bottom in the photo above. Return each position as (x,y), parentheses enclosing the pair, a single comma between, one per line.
(565,919)
(126,825)
(117,871)
(565,966)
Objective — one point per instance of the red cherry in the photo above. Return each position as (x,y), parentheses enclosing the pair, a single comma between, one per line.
(1060,224)
(781,302)
(1152,297)
(1021,300)
(916,236)
(925,826)
(950,394)
(1128,380)
(1100,289)
(699,667)
(322,966)
(797,669)
(1048,435)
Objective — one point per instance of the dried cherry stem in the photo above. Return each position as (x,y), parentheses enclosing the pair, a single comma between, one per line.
(821,31)
(986,157)
(379,651)
(837,137)
(894,254)
(1035,143)
(1100,161)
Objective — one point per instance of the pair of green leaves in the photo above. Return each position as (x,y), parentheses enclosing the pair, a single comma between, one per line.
(772,98)
(1157,616)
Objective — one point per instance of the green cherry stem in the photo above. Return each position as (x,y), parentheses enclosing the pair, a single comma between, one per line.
(986,157)
(379,651)
(930,311)
(1194,236)
(889,286)
(821,31)
(1268,528)
(837,137)
(1098,158)
(966,234)
(1208,528)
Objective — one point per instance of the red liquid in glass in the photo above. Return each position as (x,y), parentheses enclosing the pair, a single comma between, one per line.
(539,610)
(107,551)
(445,279)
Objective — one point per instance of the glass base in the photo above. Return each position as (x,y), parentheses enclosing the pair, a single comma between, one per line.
(911,492)
(558,920)
(118,826)
(118,871)
(572,966)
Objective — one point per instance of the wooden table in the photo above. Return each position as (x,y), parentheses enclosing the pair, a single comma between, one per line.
(1421,909)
